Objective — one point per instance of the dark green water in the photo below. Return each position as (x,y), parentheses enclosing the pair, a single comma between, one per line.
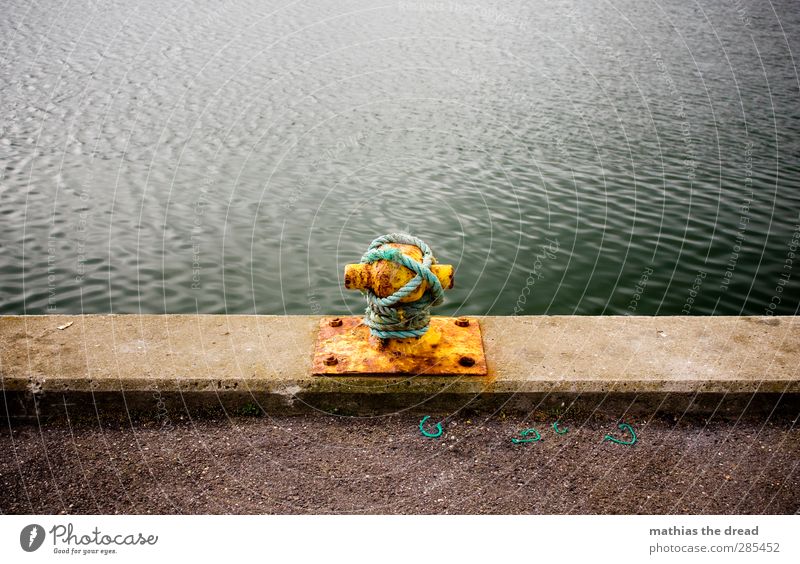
(232,157)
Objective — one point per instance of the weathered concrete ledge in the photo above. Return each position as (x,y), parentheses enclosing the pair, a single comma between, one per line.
(162,363)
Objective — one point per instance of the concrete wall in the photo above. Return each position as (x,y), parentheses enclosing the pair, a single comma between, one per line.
(133,363)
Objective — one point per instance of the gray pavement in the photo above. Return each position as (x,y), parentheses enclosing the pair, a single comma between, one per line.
(328,464)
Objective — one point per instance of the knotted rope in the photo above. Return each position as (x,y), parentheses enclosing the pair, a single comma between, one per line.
(437,433)
(386,317)
(624,427)
(525,433)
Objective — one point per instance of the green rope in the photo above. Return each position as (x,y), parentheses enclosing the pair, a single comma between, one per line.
(560,431)
(525,433)
(386,317)
(624,427)
(422,430)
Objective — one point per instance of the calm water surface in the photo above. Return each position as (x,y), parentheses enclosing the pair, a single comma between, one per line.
(586,157)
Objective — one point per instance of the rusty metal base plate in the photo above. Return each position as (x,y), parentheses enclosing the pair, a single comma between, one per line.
(345,347)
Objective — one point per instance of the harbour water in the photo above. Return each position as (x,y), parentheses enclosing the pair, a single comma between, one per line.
(568,157)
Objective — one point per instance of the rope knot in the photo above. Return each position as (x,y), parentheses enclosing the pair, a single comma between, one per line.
(388,317)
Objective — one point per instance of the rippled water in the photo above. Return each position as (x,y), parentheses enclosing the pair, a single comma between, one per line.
(597,157)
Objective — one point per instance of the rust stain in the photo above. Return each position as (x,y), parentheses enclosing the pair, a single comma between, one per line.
(440,352)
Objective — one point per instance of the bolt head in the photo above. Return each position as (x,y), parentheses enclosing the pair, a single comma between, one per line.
(462,322)
(466,361)
(335,322)
(331,360)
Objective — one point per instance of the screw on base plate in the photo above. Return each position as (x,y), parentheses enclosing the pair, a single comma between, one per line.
(466,361)
(331,360)
(462,322)
(336,322)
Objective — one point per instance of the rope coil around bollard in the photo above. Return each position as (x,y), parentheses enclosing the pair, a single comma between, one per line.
(387,319)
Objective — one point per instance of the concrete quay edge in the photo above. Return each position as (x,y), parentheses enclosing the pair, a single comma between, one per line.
(234,362)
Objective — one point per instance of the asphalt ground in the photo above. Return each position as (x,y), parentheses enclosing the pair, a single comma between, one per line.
(318,464)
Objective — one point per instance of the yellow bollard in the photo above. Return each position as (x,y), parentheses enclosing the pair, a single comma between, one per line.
(384,277)
(347,346)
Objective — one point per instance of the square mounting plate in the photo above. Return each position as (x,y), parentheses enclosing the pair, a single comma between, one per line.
(447,349)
